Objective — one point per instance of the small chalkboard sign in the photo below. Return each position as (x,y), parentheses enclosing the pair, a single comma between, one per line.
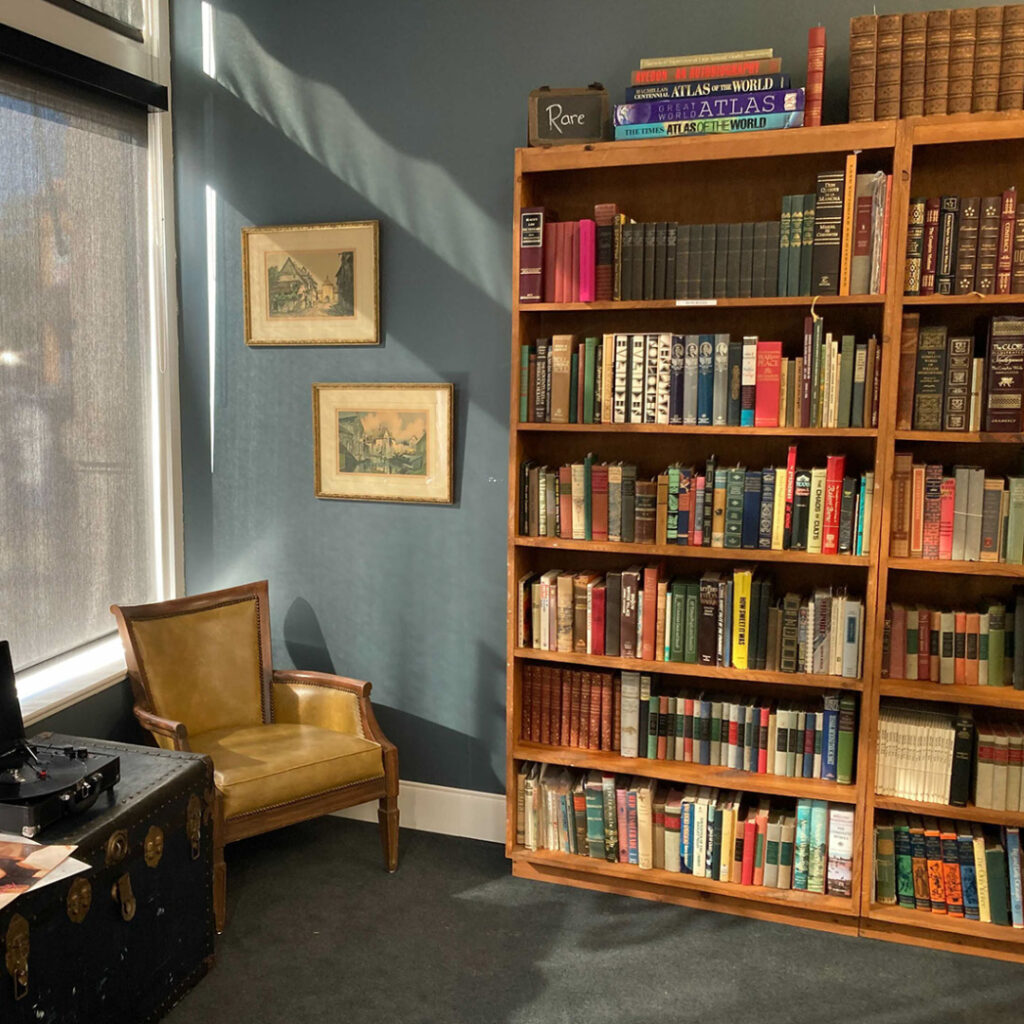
(562,116)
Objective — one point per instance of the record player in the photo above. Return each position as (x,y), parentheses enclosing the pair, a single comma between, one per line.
(39,784)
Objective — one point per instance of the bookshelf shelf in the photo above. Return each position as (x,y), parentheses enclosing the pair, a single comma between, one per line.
(687,431)
(688,551)
(687,772)
(981,696)
(766,302)
(743,179)
(956,437)
(1007,569)
(782,897)
(702,671)
(969,813)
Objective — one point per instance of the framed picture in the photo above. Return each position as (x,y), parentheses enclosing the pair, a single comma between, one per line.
(311,284)
(383,442)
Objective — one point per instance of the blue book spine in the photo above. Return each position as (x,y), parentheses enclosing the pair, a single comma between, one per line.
(701,108)
(1016,895)
(968,876)
(707,87)
(830,739)
(675,393)
(705,379)
(860,514)
(802,844)
(686,838)
(710,126)
(764,529)
(752,486)
(631,827)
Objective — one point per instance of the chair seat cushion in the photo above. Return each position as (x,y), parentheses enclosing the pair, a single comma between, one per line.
(261,766)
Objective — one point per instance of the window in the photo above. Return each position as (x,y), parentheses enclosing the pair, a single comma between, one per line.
(86,382)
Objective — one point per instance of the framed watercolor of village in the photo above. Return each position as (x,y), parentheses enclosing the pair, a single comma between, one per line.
(383,442)
(311,284)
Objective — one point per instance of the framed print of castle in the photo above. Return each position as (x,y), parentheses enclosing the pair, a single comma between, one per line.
(311,284)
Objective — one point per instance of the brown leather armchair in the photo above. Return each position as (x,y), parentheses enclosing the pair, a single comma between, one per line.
(286,746)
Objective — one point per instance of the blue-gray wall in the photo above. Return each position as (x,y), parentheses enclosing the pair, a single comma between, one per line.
(407,113)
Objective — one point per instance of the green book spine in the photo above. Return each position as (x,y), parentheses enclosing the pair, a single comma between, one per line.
(847,726)
(590,351)
(574,385)
(653,725)
(672,524)
(818,333)
(904,862)
(678,631)
(692,614)
(735,477)
(885,864)
(784,238)
(996,643)
(524,383)
(796,238)
(806,249)
(846,352)
(998,886)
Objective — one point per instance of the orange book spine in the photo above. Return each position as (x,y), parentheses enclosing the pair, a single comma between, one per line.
(607,713)
(650,598)
(917,510)
(576,681)
(960,649)
(849,201)
(584,734)
(594,730)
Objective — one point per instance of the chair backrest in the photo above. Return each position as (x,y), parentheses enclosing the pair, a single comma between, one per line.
(202,660)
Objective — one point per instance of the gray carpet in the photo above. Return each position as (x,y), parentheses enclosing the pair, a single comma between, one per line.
(318,932)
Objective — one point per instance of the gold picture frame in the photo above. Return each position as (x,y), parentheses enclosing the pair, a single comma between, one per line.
(311,284)
(383,442)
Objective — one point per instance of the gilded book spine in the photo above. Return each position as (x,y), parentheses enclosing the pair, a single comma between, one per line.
(863,70)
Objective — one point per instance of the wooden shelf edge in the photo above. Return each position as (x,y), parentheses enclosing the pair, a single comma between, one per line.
(1008,570)
(788,898)
(973,299)
(817,682)
(983,696)
(690,551)
(687,772)
(958,437)
(969,813)
(894,914)
(755,302)
(684,430)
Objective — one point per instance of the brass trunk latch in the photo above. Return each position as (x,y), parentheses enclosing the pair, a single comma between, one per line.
(117,847)
(16,958)
(194,823)
(79,900)
(154,846)
(122,894)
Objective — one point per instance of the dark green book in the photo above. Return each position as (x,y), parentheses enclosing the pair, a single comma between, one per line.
(735,476)
(796,241)
(682,264)
(807,244)
(759,259)
(692,599)
(746,260)
(677,634)
(771,267)
(589,372)
(653,725)
(929,378)
(847,729)
(847,348)
(732,261)
(904,863)
(735,382)
(998,882)
(721,260)
(885,863)
(828,233)
(660,264)
(671,245)
(707,262)
(785,221)
(650,251)
(574,384)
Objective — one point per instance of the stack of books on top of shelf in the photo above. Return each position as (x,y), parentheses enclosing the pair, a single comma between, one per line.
(718,93)
(937,62)
(829,241)
(964,647)
(727,836)
(945,384)
(957,245)
(960,869)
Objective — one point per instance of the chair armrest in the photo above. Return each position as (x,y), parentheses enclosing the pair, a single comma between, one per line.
(176,732)
(327,701)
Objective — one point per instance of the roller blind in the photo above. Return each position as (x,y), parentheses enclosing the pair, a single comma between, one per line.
(77,507)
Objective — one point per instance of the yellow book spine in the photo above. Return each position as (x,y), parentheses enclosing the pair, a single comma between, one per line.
(659,626)
(981,873)
(849,199)
(740,617)
(661,519)
(779,509)
(718,515)
(816,510)
(607,376)
(728,842)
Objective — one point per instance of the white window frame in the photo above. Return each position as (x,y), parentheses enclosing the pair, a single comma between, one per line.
(74,675)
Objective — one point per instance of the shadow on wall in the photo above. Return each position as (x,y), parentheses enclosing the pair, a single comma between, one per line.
(106,715)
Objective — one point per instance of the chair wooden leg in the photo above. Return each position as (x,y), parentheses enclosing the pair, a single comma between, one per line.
(387,816)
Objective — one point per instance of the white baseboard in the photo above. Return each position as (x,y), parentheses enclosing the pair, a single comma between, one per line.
(452,812)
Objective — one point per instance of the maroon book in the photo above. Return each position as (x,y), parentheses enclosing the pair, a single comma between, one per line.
(1004,364)
(931,246)
(531,254)
(1004,258)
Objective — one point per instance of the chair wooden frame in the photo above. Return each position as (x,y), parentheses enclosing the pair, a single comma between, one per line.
(226,830)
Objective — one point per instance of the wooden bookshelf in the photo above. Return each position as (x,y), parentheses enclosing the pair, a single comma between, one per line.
(742,178)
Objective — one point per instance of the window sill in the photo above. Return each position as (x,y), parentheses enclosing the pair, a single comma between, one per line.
(45,689)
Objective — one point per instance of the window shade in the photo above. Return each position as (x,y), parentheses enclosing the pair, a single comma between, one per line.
(76,491)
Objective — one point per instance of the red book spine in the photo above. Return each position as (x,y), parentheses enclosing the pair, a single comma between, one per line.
(834,469)
(531,704)
(588,260)
(556,707)
(767,386)
(617,714)
(1004,260)
(594,733)
(960,648)
(932,513)
(814,93)
(563,253)
(548,272)
(599,502)
(622,820)
(790,489)
(545,705)
(566,680)
(531,254)
(584,735)
(931,237)
(762,749)
(661,750)
(924,635)
(947,503)
(607,718)
(749,848)
(565,502)
(574,262)
(700,72)
(597,622)
(650,599)
(692,505)
(688,733)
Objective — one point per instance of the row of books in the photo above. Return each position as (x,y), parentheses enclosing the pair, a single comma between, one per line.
(960,515)
(652,718)
(698,831)
(759,72)
(777,508)
(832,241)
(726,620)
(963,381)
(942,757)
(958,868)
(975,647)
(702,380)
(936,62)
(959,245)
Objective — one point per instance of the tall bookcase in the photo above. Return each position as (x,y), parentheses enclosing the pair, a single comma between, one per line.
(742,178)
